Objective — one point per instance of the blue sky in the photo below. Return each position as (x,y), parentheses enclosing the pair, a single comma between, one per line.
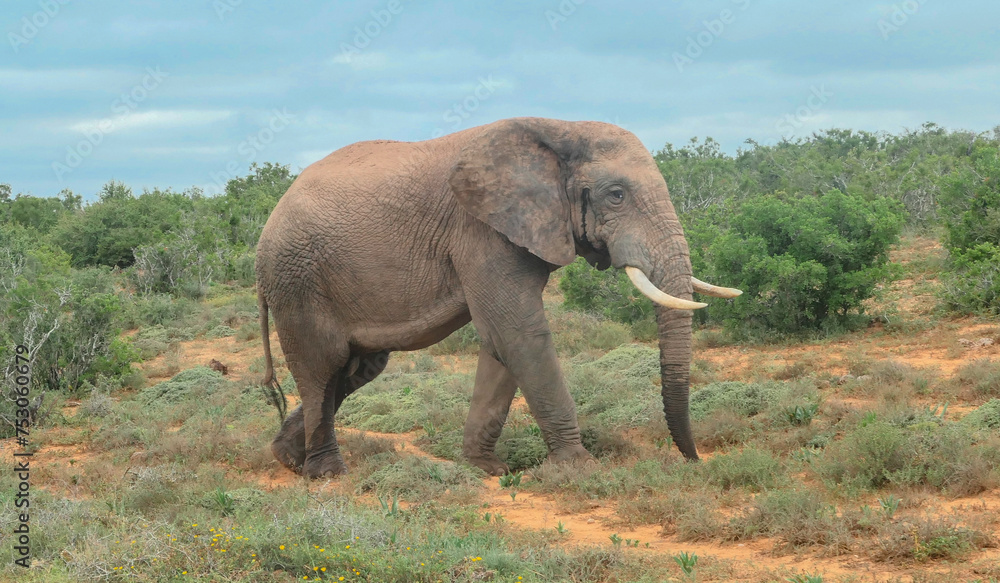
(190,92)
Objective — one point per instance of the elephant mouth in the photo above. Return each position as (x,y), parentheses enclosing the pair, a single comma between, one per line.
(641,281)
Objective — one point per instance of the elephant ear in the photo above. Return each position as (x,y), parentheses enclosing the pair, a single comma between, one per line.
(512,180)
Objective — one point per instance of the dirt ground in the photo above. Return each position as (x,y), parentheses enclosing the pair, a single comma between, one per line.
(941,349)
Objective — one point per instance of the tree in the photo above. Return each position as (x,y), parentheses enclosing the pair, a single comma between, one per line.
(970,205)
(805,263)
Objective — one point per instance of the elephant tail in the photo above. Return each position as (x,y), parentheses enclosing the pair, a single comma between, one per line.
(273,390)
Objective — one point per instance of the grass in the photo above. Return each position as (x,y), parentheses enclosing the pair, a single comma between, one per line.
(795,464)
(980,377)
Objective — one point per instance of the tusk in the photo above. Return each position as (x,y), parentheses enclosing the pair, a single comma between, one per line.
(714,290)
(642,283)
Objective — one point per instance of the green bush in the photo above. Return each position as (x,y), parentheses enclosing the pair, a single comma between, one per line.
(804,263)
(749,468)
(796,517)
(970,207)
(194,383)
(972,285)
(421,478)
(465,340)
(742,399)
(986,416)
(618,390)
(397,403)
(220,331)
(906,451)
(608,293)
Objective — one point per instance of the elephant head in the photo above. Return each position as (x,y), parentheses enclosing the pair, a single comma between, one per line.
(561,189)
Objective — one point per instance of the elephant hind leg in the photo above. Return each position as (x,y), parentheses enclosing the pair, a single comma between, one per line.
(289,446)
(491,398)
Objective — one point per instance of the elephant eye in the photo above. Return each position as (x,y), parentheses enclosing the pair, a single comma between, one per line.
(616,196)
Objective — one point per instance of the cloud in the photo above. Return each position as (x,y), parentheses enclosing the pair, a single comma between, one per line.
(141,120)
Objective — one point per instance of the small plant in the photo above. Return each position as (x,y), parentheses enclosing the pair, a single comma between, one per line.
(224,501)
(889,505)
(687,562)
(561,528)
(511,480)
(434,472)
(632,543)
(801,416)
(513,494)
(429,429)
(664,442)
(616,540)
(804,578)
(496,517)
(390,506)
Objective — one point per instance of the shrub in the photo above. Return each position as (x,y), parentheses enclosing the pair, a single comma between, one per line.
(574,332)
(970,207)
(421,478)
(742,399)
(220,331)
(521,447)
(396,403)
(986,416)
(972,285)
(981,376)
(618,390)
(910,453)
(749,468)
(608,293)
(805,263)
(796,517)
(194,383)
(465,340)
(930,538)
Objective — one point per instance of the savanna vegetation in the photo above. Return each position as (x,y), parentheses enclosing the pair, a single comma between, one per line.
(847,405)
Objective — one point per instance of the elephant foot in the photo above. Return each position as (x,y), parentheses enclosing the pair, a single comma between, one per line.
(289,446)
(324,466)
(489,463)
(291,455)
(570,453)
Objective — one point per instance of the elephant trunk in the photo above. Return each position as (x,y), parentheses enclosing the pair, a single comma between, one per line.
(675,363)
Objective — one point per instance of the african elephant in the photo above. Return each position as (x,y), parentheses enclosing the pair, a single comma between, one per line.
(385,246)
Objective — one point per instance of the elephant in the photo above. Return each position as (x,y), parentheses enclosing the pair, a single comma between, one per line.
(388,246)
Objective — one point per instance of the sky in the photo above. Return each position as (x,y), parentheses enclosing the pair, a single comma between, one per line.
(191,92)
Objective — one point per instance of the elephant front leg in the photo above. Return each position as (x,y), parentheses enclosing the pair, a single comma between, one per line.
(511,320)
(491,398)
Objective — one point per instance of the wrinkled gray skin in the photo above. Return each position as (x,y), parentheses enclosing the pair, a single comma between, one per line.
(385,246)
